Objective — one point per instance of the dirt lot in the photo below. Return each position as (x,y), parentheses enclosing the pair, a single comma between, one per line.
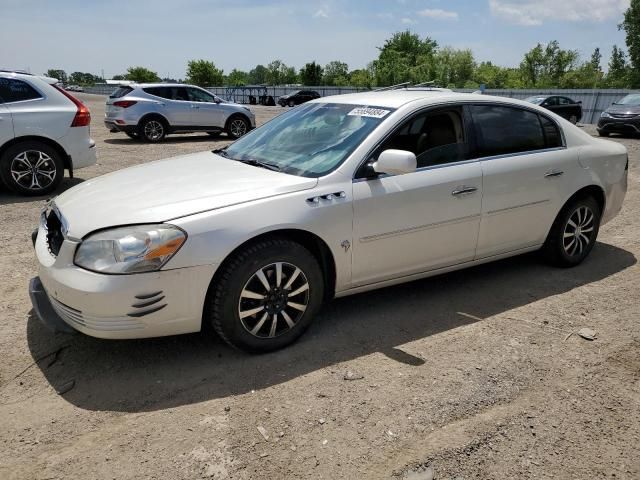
(465,376)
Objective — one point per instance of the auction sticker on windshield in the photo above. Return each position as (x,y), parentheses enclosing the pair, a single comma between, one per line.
(369,112)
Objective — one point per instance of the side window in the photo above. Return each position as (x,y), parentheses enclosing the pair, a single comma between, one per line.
(564,101)
(196,95)
(435,138)
(504,130)
(179,93)
(551,133)
(12,90)
(551,102)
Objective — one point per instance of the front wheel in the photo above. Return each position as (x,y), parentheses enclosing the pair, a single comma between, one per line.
(266,296)
(237,127)
(573,233)
(291,103)
(603,134)
(31,168)
(573,119)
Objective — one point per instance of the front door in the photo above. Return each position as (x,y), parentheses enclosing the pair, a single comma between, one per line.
(206,112)
(6,124)
(423,220)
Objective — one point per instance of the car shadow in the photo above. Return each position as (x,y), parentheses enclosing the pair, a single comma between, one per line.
(154,374)
(7,197)
(177,139)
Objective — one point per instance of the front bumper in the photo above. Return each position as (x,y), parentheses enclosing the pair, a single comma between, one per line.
(619,125)
(167,302)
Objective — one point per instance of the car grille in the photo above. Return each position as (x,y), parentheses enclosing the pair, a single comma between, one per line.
(76,318)
(623,115)
(55,237)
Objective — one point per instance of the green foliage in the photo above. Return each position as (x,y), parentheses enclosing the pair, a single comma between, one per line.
(405,57)
(336,74)
(204,74)
(59,74)
(81,78)
(631,26)
(618,75)
(237,77)
(362,78)
(141,75)
(119,77)
(545,66)
(280,74)
(453,68)
(258,75)
(311,74)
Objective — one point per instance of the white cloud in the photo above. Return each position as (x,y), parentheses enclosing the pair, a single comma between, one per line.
(536,12)
(407,21)
(438,14)
(322,13)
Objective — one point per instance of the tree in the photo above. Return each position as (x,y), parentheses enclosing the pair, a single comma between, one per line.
(492,76)
(280,74)
(362,78)
(82,78)
(237,77)
(618,74)
(119,77)
(544,66)
(141,75)
(258,75)
(311,74)
(596,58)
(405,57)
(631,26)
(454,68)
(204,74)
(61,75)
(336,73)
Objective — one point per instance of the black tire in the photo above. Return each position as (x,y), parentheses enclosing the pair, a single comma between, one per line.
(241,274)
(571,250)
(133,135)
(17,168)
(604,134)
(573,119)
(237,126)
(152,129)
(214,134)
(291,103)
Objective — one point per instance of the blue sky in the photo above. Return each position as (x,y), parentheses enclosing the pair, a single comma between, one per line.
(96,35)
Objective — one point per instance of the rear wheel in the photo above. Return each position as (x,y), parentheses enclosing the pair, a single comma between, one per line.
(291,103)
(31,168)
(573,119)
(266,296)
(574,233)
(237,126)
(152,129)
(603,134)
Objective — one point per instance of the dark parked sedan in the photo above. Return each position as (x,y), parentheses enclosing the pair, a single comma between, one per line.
(621,117)
(563,106)
(296,98)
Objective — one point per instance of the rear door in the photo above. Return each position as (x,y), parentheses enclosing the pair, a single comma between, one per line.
(205,111)
(525,176)
(178,108)
(6,123)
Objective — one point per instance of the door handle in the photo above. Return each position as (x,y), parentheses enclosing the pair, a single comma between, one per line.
(553,173)
(195,106)
(463,190)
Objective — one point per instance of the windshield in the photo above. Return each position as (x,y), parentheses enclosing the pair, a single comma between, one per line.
(630,100)
(536,100)
(311,140)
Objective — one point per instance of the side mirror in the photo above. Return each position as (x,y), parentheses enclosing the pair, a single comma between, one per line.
(217,100)
(395,162)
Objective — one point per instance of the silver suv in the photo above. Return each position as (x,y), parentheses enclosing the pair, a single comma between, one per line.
(150,111)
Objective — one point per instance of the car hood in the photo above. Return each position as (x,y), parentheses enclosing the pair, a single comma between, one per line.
(168,189)
(624,109)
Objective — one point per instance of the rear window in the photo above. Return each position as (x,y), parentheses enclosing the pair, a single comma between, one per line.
(121,92)
(504,130)
(12,90)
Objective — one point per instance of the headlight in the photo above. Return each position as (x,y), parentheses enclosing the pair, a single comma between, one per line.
(136,249)
(605,115)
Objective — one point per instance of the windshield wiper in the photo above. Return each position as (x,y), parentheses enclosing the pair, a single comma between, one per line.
(257,163)
(221,151)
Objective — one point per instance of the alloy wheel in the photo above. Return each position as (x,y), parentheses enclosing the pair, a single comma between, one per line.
(33,170)
(238,128)
(153,130)
(578,232)
(273,300)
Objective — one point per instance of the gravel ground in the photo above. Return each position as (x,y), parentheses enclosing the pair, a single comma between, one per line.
(470,375)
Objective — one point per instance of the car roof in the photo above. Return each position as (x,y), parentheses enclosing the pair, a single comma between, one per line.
(27,76)
(398,98)
(148,85)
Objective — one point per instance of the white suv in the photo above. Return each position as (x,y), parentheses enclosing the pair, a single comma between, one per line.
(43,131)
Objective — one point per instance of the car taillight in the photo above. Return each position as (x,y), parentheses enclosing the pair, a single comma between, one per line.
(124,103)
(83,115)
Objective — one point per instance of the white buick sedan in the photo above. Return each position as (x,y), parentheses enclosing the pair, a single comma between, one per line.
(341,195)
